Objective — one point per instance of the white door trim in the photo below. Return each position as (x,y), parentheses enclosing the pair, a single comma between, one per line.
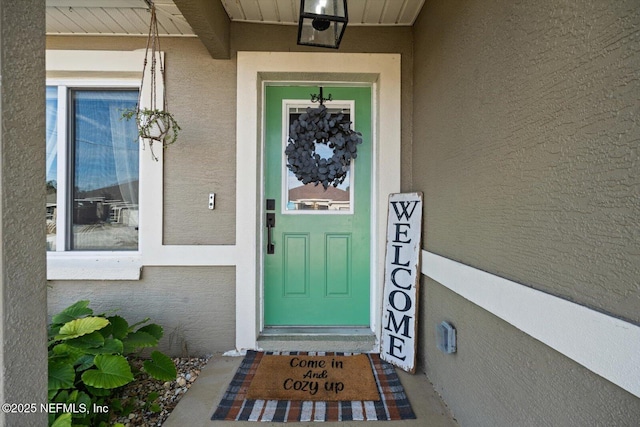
(255,68)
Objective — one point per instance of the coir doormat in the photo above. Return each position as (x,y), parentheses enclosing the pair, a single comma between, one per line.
(391,403)
(313,377)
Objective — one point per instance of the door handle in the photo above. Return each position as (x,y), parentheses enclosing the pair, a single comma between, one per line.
(271,222)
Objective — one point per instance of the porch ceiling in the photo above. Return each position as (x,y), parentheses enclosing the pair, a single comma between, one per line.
(131,17)
(113,17)
(361,12)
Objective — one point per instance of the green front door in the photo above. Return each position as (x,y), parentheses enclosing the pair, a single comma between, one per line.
(319,271)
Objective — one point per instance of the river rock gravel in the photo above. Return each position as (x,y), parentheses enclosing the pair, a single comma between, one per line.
(148,412)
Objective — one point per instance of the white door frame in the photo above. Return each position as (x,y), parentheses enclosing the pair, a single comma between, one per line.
(382,71)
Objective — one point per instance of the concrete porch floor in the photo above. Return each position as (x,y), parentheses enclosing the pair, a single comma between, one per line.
(199,403)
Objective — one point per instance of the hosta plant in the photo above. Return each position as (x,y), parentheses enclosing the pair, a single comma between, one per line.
(90,358)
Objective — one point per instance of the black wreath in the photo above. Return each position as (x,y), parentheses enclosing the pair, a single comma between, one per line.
(319,126)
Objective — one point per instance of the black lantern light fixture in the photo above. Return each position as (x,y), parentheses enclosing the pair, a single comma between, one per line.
(322,22)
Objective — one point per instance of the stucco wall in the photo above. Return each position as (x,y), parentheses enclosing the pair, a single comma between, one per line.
(194,305)
(500,376)
(23,355)
(526,146)
(281,38)
(202,95)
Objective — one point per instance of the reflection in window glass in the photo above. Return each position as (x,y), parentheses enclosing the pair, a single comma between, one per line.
(105,171)
(52,166)
(311,197)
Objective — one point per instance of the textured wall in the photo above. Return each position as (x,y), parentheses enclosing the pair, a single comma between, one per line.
(527,136)
(280,38)
(203,91)
(23,299)
(526,146)
(194,305)
(201,94)
(502,377)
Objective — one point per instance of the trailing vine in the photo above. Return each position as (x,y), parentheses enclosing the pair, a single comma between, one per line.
(319,126)
(154,126)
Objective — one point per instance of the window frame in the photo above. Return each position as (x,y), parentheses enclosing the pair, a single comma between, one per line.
(287,106)
(64,160)
(118,65)
(104,69)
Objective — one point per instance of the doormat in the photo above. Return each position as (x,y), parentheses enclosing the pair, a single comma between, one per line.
(392,403)
(317,378)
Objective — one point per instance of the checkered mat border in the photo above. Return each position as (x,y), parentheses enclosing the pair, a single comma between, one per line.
(393,404)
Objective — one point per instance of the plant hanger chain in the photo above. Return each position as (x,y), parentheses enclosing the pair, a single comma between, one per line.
(154,122)
(153,43)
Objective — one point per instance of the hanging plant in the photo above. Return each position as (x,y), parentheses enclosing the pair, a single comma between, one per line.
(319,126)
(156,123)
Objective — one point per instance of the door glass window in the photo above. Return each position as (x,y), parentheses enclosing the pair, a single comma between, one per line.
(311,198)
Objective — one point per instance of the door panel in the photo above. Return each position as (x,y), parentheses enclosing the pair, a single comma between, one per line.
(319,273)
(338,265)
(296,264)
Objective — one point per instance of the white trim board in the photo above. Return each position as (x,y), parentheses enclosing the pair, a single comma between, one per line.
(254,69)
(84,68)
(608,346)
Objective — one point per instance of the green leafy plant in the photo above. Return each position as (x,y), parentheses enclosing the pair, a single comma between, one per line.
(90,358)
(154,125)
(152,405)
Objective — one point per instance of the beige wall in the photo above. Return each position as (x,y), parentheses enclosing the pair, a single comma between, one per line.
(280,38)
(202,95)
(500,376)
(23,297)
(194,305)
(526,146)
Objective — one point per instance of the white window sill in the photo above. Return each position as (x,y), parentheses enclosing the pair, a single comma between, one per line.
(94,266)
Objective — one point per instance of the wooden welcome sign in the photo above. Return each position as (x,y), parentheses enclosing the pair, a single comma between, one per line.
(401,281)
